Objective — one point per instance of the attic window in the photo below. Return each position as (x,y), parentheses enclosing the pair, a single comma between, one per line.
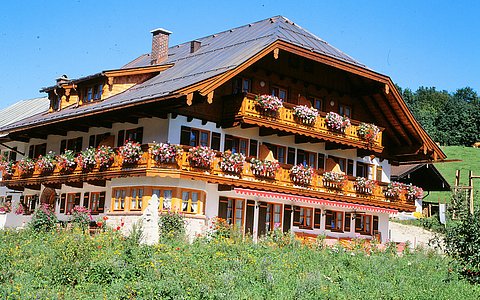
(92,93)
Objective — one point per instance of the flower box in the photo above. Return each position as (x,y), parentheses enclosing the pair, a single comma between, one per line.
(7,167)
(305,115)
(86,159)
(413,192)
(131,152)
(368,132)
(232,162)
(336,122)
(264,168)
(301,175)
(393,190)
(334,180)
(104,157)
(25,166)
(46,164)
(201,157)
(66,162)
(165,153)
(269,104)
(365,186)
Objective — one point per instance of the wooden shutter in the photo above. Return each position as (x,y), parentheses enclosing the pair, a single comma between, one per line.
(13,154)
(101,202)
(91,141)
(291,156)
(78,144)
(185,135)
(63,146)
(348,222)
(328,219)
(63,198)
(296,215)
(262,217)
(253,148)
(228,142)
(375,224)
(350,167)
(358,223)
(77,199)
(121,138)
(86,197)
(249,216)
(31,151)
(139,135)
(222,208)
(316,218)
(287,217)
(215,141)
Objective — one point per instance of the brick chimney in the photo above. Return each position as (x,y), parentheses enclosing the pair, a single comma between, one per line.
(159,46)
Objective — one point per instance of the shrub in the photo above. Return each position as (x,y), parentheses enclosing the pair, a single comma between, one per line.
(81,217)
(172,225)
(44,218)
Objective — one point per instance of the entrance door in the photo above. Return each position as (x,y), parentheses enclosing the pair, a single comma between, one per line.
(249,216)
(48,197)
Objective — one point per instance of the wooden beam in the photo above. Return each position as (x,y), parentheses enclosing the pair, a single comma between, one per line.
(55,185)
(35,187)
(75,184)
(300,139)
(101,183)
(263,131)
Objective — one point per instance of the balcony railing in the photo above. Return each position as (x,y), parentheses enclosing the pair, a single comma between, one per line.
(285,120)
(182,168)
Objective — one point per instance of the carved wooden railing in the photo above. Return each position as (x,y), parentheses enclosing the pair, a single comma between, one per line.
(285,120)
(181,167)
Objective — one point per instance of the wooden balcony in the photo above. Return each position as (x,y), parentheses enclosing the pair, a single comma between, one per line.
(181,168)
(284,120)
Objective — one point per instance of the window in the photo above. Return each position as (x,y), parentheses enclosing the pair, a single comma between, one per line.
(363,224)
(95,140)
(73,199)
(242,85)
(317,103)
(75,145)
(274,216)
(253,148)
(341,162)
(194,137)
(291,156)
(216,141)
(133,135)
(345,110)
(136,198)
(280,93)
(364,170)
(95,201)
(30,202)
(306,158)
(235,208)
(10,155)
(321,161)
(190,201)
(55,102)
(350,167)
(236,144)
(119,199)
(348,222)
(379,173)
(165,197)
(279,152)
(35,151)
(306,214)
(334,220)
(92,93)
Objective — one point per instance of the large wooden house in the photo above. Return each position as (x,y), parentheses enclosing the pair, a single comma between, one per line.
(206,93)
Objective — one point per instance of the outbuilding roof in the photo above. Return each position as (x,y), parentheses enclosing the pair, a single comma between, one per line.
(23,109)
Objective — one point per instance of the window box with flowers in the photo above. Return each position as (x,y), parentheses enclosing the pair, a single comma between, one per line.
(46,164)
(413,192)
(364,185)
(131,152)
(305,115)
(104,157)
(368,132)
(165,153)
(336,122)
(264,168)
(5,207)
(66,162)
(201,157)
(301,175)
(25,166)
(269,104)
(8,168)
(232,162)
(334,180)
(86,159)
(393,190)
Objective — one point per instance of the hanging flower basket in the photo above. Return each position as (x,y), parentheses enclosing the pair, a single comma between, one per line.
(336,122)
(365,186)
(201,157)
(269,104)
(66,162)
(413,192)
(393,190)
(232,162)
(46,164)
(25,166)
(301,175)
(104,157)
(131,152)
(86,159)
(305,115)
(264,168)
(334,180)
(165,153)
(368,132)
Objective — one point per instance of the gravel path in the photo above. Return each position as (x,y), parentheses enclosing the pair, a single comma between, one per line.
(417,236)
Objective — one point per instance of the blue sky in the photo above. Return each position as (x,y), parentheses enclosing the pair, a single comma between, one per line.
(416,43)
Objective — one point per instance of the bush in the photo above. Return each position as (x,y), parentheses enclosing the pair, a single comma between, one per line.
(81,217)
(43,219)
(172,225)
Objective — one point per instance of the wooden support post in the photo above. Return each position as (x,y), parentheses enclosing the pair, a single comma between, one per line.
(470,184)
(457,181)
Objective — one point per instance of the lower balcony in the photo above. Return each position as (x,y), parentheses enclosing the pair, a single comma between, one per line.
(281,180)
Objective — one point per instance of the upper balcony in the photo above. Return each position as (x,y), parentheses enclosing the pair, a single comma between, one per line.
(280,180)
(285,120)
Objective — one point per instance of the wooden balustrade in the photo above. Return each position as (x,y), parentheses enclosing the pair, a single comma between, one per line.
(285,120)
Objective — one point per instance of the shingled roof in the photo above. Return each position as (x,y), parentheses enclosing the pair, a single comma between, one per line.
(218,53)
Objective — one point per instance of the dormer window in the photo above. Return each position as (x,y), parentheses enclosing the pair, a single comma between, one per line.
(92,93)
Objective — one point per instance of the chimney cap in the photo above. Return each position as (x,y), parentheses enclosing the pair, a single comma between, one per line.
(161,30)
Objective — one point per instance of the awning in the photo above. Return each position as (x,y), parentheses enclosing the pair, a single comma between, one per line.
(280,196)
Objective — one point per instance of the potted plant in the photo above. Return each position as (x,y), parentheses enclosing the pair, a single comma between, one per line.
(264,168)
(232,162)
(131,152)
(165,152)
(86,159)
(104,157)
(46,164)
(364,185)
(301,175)
(5,207)
(368,132)
(26,166)
(201,157)
(413,192)
(334,180)
(337,122)
(269,104)
(305,115)
(66,162)
(393,190)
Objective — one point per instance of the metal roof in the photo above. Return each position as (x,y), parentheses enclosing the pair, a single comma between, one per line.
(218,53)
(23,109)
